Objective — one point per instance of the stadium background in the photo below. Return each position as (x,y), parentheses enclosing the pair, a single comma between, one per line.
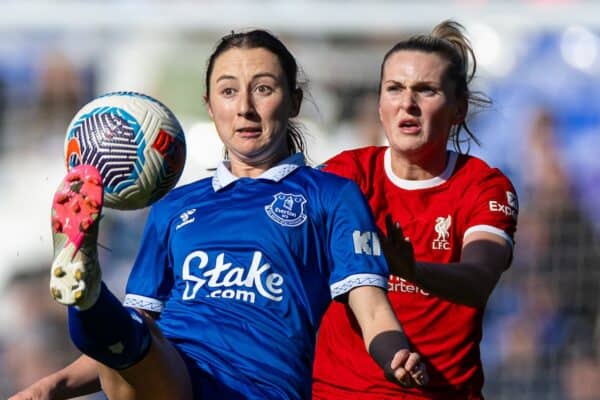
(539,61)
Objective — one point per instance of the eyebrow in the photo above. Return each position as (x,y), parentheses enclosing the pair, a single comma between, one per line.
(265,75)
(224,77)
(257,76)
(432,83)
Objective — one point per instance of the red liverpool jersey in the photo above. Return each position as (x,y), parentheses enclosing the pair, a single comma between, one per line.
(436,214)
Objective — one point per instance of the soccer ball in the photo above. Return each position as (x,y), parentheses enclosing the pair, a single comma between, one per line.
(134,141)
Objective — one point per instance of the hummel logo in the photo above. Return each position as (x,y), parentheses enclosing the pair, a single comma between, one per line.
(185,218)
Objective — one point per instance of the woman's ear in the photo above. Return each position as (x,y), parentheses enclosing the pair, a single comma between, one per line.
(296,102)
(208,107)
(462,106)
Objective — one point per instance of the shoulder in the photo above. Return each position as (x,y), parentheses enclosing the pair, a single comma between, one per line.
(329,188)
(483,183)
(321,178)
(181,195)
(357,164)
(354,158)
(476,170)
(187,189)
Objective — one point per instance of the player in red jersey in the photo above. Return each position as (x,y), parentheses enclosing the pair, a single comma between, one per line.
(451,212)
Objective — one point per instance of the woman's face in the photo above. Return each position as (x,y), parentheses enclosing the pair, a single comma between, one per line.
(417,105)
(250,104)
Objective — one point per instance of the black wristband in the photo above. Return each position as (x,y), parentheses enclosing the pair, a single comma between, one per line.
(383,348)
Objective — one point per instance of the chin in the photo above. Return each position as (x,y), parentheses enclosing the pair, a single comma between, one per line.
(406,146)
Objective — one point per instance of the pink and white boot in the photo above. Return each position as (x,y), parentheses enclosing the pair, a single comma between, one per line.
(75,276)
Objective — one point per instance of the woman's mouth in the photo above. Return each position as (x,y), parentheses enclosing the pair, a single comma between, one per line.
(409,126)
(249,131)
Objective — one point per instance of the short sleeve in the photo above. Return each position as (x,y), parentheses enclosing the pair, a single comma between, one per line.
(495,208)
(356,257)
(151,277)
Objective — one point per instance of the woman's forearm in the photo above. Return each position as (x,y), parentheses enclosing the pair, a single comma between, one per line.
(77,379)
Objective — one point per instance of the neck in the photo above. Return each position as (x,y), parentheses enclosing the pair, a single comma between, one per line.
(418,167)
(254,168)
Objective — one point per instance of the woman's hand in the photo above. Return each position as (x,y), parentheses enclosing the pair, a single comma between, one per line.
(398,251)
(40,390)
(408,369)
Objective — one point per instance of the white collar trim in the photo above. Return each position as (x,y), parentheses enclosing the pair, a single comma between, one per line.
(423,184)
(223,176)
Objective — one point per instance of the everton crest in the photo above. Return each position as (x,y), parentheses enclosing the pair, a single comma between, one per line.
(287,209)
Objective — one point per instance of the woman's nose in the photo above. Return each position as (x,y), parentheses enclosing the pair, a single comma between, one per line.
(246,105)
(407,99)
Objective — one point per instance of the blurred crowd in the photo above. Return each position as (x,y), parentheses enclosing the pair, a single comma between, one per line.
(542,331)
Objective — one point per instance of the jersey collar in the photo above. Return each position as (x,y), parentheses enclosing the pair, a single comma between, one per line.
(223,176)
(424,184)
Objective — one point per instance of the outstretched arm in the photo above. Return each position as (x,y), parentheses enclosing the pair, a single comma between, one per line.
(485,256)
(77,379)
(383,336)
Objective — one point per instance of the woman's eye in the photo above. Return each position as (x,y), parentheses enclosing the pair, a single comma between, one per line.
(264,89)
(228,91)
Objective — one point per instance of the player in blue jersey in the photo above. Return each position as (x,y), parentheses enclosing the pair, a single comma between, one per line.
(234,271)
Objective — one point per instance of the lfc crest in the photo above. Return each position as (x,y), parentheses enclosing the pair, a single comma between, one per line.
(287,209)
(442,225)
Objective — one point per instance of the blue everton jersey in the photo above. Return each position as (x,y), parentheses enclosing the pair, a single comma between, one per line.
(242,270)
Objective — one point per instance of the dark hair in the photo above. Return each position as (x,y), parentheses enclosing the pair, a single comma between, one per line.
(448,41)
(259,38)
